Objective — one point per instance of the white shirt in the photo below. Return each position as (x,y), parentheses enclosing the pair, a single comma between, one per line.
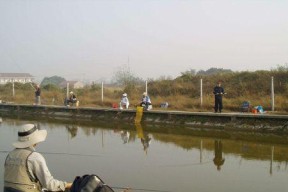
(125,100)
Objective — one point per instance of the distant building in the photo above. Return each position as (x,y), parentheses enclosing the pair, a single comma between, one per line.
(15,77)
(72,84)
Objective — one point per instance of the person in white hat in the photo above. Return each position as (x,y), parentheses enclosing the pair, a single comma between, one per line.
(146,102)
(124,103)
(72,99)
(26,169)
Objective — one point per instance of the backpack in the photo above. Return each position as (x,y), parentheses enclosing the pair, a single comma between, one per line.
(89,183)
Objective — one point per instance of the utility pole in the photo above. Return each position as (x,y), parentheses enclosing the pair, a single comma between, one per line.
(201,93)
(272,93)
(13,89)
(102,93)
(67,94)
(146,89)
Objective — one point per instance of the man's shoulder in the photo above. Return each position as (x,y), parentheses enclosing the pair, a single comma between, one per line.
(35,156)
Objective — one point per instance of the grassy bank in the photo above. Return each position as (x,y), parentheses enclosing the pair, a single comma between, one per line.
(182,93)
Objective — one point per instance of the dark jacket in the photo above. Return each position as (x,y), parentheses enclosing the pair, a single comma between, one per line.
(37,92)
(218,91)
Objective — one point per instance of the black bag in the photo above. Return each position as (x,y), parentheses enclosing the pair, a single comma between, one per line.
(89,183)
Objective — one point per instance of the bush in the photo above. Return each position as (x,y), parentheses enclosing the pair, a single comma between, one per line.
(182,93)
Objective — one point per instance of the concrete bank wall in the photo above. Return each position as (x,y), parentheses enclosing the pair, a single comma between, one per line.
(227,121)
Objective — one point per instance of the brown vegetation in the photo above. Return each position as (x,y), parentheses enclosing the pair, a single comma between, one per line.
(182,93)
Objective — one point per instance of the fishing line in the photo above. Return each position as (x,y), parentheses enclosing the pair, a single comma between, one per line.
(20,69)
(139,189)
(186,165)
(55,153)
(127,188)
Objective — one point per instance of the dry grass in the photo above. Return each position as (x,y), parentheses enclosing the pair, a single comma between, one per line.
(177,101)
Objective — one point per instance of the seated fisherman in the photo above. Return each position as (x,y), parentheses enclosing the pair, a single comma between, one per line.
(124,103)
(72,99)
(25,170)
(146,102)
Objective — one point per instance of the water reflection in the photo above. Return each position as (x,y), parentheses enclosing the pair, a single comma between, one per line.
(72,130)
(246,150)
(218,159)
(271,162)
(144,137)
(125,136)
(176,153)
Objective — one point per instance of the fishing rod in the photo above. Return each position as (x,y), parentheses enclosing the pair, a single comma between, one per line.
(32,86)
(55,153)
(139,189)
(20,69)
(188,164)
(114,187)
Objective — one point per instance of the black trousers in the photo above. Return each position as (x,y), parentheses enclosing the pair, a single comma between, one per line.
(218,103)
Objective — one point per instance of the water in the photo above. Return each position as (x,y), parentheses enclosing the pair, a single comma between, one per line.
(163,160)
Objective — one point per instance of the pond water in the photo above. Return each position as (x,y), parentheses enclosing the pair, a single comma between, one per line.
(152,159)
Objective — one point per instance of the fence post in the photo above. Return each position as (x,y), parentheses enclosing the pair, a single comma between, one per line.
(272,93)
(201,93)
(67,94)
(146,89)
(102,93)
(13,89)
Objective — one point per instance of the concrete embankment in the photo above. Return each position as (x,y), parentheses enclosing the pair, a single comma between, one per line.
(226,121)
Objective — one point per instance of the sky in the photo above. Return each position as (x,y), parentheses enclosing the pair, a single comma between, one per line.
(94,39)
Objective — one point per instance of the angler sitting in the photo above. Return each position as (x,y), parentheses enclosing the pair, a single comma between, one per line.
(72,99)
(146,102)
(124,103)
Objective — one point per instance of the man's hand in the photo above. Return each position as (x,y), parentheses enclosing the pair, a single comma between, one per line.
(68,185)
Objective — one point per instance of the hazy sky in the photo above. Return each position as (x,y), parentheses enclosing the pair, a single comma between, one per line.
(91,39)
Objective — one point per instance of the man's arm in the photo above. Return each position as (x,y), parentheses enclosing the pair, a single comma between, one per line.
(38,169)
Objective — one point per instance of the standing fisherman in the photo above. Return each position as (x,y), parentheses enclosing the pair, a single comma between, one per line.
(218,92)
(37,95)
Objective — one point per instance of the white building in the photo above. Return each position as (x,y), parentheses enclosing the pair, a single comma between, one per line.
(72,84)
(16,77)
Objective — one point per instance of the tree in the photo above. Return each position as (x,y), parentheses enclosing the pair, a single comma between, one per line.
(213,71)
(54,80)
(283,68)
(124,77)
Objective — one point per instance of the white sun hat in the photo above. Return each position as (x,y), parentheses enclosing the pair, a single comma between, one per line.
(124,94)
(28,135)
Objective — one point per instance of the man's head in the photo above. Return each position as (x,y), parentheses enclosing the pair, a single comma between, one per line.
(29,135)
(71,92)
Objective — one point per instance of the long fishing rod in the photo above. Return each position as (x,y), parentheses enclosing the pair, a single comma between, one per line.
(188,164)
(114,187)
(55,153)
(32,86)
(21,70)
(139,189)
